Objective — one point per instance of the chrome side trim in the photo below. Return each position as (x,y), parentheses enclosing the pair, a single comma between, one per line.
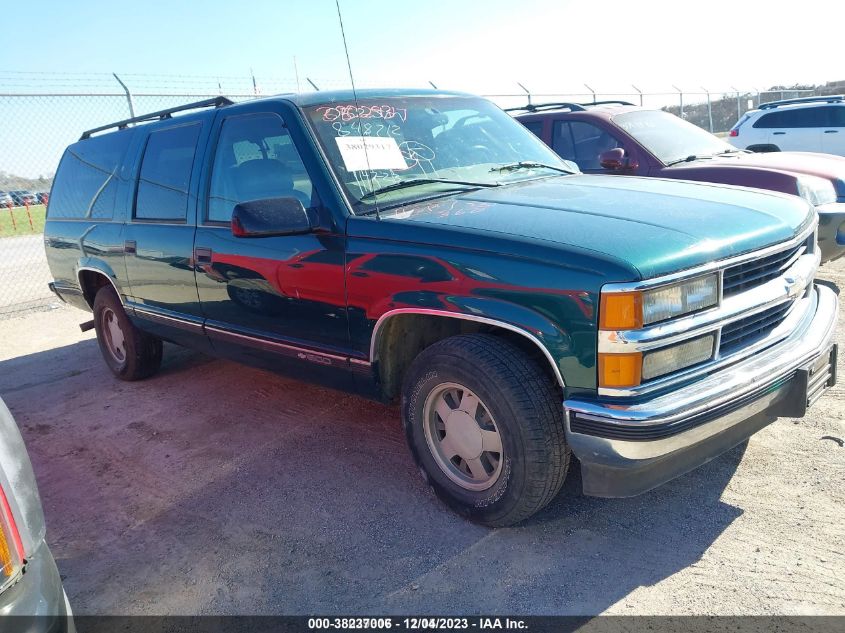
(714,265)
(154,315)
(104,274)
(302,353)
(466,317)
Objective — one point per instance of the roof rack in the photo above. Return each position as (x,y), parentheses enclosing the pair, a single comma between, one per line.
(536,107)
(573,107)
(824,99)
(216,102)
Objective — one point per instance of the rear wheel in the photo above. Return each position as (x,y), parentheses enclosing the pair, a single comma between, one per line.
(485,426)
(129,353)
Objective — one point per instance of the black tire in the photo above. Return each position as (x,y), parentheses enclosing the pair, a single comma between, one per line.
(141,352)
(527,408)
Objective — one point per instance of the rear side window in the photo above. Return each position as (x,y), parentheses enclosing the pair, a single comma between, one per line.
(797,117)
(86,183)
(166,174)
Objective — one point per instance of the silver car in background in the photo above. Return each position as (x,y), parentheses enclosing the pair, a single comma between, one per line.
(30,585)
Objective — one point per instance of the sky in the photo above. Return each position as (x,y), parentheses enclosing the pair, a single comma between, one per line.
(481,46)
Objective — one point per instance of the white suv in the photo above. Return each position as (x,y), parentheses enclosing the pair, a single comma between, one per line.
(811,124)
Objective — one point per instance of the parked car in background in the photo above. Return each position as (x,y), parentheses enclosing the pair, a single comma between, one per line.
(41,197)
(423,247)
(810,124)
(30,584)
(619,138)
(6,199)
(22,197)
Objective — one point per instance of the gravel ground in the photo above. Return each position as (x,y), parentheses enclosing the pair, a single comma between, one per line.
(24,275)
(218,489)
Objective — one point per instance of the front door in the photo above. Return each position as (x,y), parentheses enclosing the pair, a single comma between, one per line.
(278,298)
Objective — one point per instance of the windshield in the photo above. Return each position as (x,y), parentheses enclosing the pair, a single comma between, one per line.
(668,137)
(444,144)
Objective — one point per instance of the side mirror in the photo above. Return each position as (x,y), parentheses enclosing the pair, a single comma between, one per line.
(614,159)
(271,216)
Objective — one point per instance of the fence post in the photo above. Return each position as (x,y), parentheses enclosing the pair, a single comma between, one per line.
(738,107)
(28,214)
(12,215)
(527,91)
(709,108)
(681,95)
(641,93)
(591,90)
(128,96)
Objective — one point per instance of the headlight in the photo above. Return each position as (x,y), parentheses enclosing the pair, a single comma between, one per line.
(633,310)
(816,190)
(676,357)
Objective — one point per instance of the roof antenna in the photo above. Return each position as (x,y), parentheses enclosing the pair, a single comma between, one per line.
(357,108)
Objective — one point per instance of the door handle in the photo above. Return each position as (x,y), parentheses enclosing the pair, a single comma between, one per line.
(831,131)
(202,255)
(130,247)
(776,133)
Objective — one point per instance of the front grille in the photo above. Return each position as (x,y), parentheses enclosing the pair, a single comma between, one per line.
(758,271)
(743,331)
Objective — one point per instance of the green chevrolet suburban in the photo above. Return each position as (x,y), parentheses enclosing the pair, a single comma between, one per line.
(425,248)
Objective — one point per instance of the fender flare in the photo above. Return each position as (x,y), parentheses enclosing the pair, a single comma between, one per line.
(374,341)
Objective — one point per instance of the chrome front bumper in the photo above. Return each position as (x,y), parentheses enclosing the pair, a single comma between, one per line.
(627,449)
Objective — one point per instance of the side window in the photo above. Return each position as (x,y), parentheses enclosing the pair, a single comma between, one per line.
(583,143)
(255,159)
(837,116)
(87,179)
(166,174)
(535,127)
(562,140)
(794,118)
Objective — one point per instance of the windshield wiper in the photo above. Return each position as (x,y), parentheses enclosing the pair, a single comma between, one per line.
(688,159)
(528,164)
(413,182)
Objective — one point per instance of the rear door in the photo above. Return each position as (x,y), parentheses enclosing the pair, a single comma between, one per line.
(159,236)
(833,132)
(793,129)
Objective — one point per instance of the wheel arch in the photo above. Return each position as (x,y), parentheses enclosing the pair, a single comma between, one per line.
(390,363)
(92,277)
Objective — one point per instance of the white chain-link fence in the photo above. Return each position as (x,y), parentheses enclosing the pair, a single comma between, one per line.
(35,128)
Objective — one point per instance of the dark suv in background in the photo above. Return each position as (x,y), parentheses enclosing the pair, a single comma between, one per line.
(615,137)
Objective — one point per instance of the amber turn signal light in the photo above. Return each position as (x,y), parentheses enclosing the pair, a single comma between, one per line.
(620,370)
(621,311)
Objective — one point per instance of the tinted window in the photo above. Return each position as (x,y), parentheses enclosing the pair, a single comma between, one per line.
(86,182)
(835,116)
(535,127)
(795,117)
(255,159)
(166,174)
(581,142)
(562,140)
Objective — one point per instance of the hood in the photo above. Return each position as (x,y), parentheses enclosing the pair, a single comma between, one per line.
(657,226)
(777,171)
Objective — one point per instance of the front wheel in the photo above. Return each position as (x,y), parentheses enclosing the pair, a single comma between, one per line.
(485,426)
(129,353)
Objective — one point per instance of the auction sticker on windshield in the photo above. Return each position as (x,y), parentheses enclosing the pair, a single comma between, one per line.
(364,153)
